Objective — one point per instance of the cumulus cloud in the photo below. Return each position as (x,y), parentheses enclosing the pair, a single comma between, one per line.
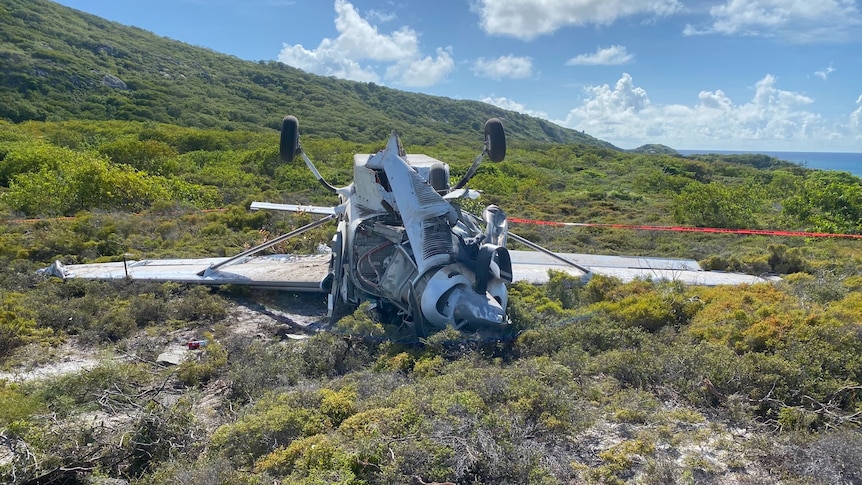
(609,56)
(358,41)
(326,61)
(381,17)
(510,67)
(776,118)
(512,105)
(423,72)
(527,19)
(825,72)
(856,119)
(793,20)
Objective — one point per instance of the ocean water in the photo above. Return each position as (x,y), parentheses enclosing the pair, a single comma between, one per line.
(842,162)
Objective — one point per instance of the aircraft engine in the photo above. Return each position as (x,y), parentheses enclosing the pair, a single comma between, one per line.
(449,298)
(442,270)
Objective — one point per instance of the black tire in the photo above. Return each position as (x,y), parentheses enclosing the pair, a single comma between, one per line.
(495,140)
(419,325)
(340,309)
(289,143)
(438,178)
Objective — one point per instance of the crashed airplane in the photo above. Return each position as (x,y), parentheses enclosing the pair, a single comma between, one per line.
(404,244)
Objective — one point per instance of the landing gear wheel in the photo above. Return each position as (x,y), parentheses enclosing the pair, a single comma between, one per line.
(495,140)
(419,325)
(288,145)
(338,308)
(439,179)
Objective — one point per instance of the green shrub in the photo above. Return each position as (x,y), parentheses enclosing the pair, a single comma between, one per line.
(29,157)
(428,366)
(17,324)
(530,307)
(380,423)
(785,261)
(163,434)
(338,405)
(211,362)
(361,323)
(270,422)
(565,288)
(828,202)
(115,324)
(203,471)
(400,362)
(328,355)
(649,311)
(149,156)
(85,181)
(65,394)
(15,405)
(257,368)
(199,305)
(314,459)
(718,205)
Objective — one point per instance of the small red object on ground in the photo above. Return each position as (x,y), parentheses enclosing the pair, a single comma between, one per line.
(196,344)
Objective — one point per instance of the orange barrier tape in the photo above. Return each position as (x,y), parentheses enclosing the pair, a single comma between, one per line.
(714,230)
(749,232)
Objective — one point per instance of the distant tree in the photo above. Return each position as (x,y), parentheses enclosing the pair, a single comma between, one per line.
(88,181)
(149,155)
(718,205)
(829,202)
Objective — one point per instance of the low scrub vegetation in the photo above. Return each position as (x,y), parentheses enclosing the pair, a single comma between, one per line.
(604,382)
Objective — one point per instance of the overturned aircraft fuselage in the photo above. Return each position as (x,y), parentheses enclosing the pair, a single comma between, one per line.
(403,241)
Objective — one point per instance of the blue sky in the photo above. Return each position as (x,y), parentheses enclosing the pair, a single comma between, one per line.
(780,75)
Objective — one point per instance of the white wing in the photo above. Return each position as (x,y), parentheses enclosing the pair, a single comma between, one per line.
(311,209)
(283,272)
(533,267)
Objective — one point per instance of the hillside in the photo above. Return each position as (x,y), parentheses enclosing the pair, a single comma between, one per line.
(59,64)
(654,149)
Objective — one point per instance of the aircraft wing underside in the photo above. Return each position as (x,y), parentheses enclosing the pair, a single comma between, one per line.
(305,273)
(283,272)
(533,267)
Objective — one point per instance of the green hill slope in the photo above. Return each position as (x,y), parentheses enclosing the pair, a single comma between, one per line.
(59,63)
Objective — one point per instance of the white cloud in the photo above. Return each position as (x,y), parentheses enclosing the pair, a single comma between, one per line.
(773,118)
(609,56)
(527,19)
(381,17)
(825,72)
(359,41)
(424,72)
(856,119)
(625,97)
(510,67)
(715,100)
(793,20)
(512,105)
(326,61)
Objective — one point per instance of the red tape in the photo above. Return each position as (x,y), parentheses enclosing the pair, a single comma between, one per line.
(715,230)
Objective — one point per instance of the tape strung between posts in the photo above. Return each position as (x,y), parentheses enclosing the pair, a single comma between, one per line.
(714,230)
(717,230)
